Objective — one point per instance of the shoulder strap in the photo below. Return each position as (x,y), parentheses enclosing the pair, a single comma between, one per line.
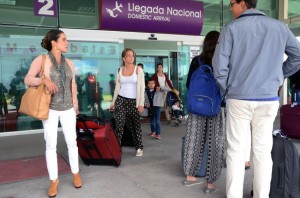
(206,68)
(120,70)
(199,61)
(43,65)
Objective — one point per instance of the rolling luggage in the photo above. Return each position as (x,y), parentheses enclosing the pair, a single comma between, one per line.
(89,122)
(97,143)
(285,181)
(289,121)
(202,171)
(9,122)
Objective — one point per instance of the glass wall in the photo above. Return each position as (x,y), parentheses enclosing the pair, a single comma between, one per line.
(150,63)
(22,13)
(21,32)
(16,55)
(79,14)
(293,12)
(96,65)
(93,61)
(186,54)
(217,13)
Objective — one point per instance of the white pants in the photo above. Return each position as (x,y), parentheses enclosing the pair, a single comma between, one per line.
(260,116)
(248,147)
(68,122)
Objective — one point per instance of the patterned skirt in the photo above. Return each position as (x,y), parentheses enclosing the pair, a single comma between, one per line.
(201,129)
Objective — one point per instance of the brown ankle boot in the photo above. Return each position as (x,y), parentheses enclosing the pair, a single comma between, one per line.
(52,192)
(77,180)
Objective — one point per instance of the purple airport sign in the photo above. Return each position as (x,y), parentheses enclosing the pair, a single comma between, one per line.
(45,8)
(155,16)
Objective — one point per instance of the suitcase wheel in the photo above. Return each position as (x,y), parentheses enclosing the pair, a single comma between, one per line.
(85,162)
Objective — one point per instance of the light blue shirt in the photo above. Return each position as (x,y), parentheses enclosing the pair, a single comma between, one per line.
(248,60)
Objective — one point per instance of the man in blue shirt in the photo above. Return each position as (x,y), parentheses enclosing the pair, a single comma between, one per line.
(248,65)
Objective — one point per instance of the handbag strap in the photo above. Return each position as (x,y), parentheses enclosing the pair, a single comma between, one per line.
(43,66)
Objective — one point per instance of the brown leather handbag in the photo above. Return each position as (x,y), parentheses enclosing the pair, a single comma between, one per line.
(36,100)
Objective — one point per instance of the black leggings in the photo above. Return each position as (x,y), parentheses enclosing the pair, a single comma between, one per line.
(125,109)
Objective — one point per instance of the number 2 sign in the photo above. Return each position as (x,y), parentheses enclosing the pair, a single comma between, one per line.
(45,8)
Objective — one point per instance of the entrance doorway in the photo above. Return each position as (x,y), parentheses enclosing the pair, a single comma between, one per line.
(150,53)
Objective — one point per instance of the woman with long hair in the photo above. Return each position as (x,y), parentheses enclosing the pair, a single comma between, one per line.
(58,74)
(203,130)
(163,82)
(128,100)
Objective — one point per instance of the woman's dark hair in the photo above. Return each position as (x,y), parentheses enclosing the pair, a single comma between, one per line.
(52,35)
(209,46)
(124,53)
(249,3)
(158,64)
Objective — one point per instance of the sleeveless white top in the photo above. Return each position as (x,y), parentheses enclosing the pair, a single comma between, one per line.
(128,85)
(161,80)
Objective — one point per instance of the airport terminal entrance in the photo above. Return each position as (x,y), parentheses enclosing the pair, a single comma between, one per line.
(150,53)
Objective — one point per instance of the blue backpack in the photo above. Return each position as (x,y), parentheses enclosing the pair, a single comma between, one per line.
(203,95)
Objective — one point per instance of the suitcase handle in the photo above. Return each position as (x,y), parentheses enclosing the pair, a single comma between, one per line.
(84,118)
(86,135)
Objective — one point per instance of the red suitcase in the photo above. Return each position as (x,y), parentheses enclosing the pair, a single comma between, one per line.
(99,146)
(290,121)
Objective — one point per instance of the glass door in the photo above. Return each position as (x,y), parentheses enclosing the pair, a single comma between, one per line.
(184,57)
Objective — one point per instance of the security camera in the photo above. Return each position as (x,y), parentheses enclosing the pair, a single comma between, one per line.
(152,37)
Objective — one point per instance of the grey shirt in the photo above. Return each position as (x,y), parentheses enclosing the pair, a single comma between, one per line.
(248,60)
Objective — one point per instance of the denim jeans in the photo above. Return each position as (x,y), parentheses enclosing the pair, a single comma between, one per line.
(155,121)
(296,96)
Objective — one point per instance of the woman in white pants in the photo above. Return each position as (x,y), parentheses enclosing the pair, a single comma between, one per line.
(57,73)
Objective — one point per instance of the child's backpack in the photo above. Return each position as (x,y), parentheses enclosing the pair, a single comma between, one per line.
(171,98)
(203,95)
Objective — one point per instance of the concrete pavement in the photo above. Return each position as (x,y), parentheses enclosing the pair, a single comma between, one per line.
(158,174)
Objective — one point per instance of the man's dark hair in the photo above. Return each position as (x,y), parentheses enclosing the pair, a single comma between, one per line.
(141,65)
(249,3)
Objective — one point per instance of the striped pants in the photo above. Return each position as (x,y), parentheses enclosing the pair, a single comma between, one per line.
(200,130)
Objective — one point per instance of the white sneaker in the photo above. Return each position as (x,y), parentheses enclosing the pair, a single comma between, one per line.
(139,153)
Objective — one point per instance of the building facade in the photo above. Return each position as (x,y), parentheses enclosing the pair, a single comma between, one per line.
(95,45)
